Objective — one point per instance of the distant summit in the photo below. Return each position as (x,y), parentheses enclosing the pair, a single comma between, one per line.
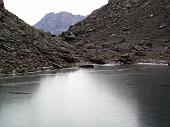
(57,23)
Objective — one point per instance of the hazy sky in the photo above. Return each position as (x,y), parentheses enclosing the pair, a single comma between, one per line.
(32,11)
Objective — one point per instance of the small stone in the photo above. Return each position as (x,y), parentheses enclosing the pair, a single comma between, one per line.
(161,57)
(90,30)
(125,29)
(138,48)
(162,26)
(112,35)
(151,15)
(56,66)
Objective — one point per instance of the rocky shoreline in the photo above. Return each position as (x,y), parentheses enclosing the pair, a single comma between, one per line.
(81,66)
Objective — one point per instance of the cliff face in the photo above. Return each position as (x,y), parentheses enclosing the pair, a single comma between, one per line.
(1,3)
(26,49)
(57,23)
(140,27)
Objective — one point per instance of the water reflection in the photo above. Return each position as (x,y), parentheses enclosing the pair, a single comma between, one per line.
(120,96)
(81,98)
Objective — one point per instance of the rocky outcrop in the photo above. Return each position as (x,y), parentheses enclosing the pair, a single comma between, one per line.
(1,3)
(57,23)
(126,59)
(25,49)
(140,27)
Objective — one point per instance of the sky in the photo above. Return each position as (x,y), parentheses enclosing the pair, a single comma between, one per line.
(31,11)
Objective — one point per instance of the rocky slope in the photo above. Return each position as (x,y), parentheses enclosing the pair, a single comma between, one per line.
(57,23)
(125,31)
(138,27)
(25,49)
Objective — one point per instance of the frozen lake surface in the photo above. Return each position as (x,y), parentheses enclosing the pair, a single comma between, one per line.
(106,96)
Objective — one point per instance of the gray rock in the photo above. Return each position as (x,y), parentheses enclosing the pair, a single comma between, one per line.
(58,23)
(86,66)
(162,26)
(68,36)
(124,47)
(26,49)
(126,59)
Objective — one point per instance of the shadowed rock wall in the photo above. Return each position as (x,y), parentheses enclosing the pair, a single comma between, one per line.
(1,3)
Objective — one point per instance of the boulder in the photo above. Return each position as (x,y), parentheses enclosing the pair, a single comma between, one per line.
(138,48)
(162,26)
(68,36)
(140,53)
(124,47)
(126,59)
(86,66)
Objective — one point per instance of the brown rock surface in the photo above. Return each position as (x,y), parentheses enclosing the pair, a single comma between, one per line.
(25,49)
(125,26)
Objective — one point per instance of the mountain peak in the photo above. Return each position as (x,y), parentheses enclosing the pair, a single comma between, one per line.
(57,23)
(64,12)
